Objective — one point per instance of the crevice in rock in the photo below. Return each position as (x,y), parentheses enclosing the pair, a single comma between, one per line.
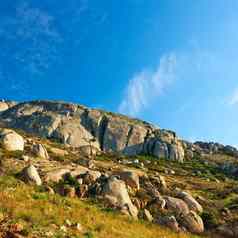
(86,122)
(102,129)
(129,134)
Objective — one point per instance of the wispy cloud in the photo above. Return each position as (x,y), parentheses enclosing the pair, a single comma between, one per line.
(233,100)
(147,85)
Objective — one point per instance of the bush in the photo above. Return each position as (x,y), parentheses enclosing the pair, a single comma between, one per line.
(209,219)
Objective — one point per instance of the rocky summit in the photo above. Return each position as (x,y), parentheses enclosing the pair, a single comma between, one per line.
(70,171)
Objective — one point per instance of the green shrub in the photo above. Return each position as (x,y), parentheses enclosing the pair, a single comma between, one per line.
(209,219)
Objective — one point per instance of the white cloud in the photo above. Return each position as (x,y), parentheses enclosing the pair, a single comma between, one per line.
(234,98)
(147,85)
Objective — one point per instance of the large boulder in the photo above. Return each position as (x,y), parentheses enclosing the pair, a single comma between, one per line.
(40,151)
(190,201)
(193,222)
(11,141)
(116,194)
(176,205)
(30,175)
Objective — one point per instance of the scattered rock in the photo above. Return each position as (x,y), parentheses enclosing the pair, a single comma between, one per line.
(170,222)
(190,201)
(40,151)
(116,194)
(147,215)
(193,222)
(11,141)
(131,178)
(30,175)
(56,175)
(25,158)
(58,152)
(176,205)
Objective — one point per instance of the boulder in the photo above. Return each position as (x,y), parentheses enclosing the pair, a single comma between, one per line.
(11,141)
(170,222)
(58,152)
(190,201)
(30,175)
(176,205)
(159,181)
(88,151)
(193,222)
(40,151)
(115,192)
(56,175)
(3,106)
(131,178)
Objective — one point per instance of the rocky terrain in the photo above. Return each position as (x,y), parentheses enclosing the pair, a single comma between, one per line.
(71,171)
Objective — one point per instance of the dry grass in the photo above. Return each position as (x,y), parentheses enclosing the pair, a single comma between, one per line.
(40,213)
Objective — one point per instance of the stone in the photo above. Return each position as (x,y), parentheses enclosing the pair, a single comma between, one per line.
(85,128)
(89,163)
(56,175)
(193,222)
(131,178)
(190,201)
(30,175)
(40,151)
(178,206)
(88,151)
(170,222)
(161,150)
(58,152)
(25,158)
(147,215)
(176,152)
(159,181)
(3,106)
(69,191)
(115,192)
(11,141)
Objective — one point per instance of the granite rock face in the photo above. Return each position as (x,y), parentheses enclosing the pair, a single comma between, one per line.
(78,126)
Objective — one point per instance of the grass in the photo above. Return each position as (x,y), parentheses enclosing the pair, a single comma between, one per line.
(40,213)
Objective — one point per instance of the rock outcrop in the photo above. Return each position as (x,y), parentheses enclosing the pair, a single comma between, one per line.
(79,126)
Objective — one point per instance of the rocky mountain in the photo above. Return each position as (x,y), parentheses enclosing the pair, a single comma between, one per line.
(121,163)
(78,126)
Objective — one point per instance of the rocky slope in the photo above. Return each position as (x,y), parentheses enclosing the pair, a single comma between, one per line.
(79,126)
(121,163)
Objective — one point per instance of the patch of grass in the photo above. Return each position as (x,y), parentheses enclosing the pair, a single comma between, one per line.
(24,204)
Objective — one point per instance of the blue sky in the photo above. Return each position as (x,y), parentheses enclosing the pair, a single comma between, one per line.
(173,63)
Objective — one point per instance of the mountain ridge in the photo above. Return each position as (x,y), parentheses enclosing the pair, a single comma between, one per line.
(78,125)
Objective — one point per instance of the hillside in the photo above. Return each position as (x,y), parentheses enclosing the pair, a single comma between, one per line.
(71,171)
